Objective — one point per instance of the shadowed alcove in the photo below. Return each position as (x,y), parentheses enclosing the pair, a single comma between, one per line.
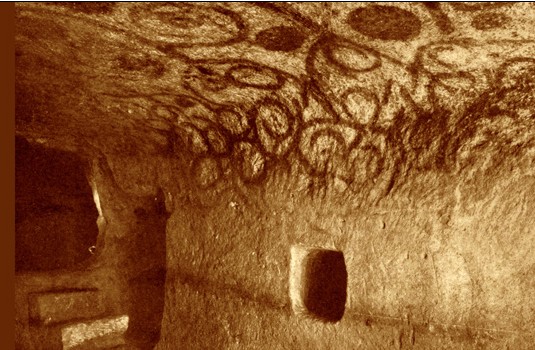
(325,284)
(55,212)
(318,283)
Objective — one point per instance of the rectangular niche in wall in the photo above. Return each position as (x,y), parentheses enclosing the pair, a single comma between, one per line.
(55,214)
(318,283)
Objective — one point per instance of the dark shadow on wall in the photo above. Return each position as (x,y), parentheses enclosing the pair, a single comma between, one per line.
(55,214)
(146,279)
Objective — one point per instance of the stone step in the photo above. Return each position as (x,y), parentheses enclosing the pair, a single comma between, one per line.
(57,307)
(105,333)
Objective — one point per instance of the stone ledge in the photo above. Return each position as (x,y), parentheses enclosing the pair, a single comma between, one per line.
(64,306)
(97,334)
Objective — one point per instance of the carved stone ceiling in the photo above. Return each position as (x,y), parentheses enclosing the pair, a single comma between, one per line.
(271,82)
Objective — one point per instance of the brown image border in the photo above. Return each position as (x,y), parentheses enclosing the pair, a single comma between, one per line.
(7,147)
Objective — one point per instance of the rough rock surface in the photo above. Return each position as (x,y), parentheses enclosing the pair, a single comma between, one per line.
(221,135)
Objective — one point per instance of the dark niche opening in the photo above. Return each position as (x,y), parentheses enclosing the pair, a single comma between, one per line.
(55,214)
(324,284)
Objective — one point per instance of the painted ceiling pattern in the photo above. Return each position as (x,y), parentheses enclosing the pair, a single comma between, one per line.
(359,92)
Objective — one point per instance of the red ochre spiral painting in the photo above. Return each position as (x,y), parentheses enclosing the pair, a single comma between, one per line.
(357,92)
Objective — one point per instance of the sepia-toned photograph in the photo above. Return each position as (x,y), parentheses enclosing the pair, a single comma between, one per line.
(274,175)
